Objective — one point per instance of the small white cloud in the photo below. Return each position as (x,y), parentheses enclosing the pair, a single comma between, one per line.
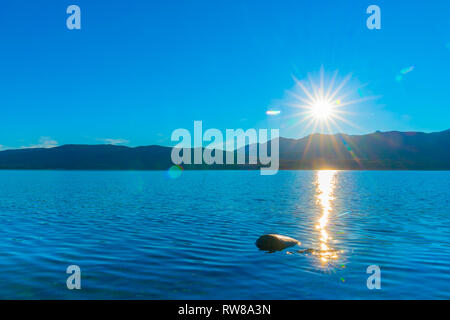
(114,141)
(44,142)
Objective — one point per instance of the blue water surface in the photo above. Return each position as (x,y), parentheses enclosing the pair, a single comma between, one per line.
(150,235)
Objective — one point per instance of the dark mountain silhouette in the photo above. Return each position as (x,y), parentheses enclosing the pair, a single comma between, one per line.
(376,151)
(379,150)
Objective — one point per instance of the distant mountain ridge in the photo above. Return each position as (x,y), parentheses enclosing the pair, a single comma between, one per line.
(375,151)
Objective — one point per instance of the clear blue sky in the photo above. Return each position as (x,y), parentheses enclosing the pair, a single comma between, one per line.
(137,70)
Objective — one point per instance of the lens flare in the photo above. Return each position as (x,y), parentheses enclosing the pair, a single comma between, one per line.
(273,112)
(175,171)
(407,70)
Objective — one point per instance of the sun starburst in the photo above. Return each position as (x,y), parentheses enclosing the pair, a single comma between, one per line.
(323,104)
(322,109)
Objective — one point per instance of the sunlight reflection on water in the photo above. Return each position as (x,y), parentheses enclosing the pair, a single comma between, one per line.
(325,184)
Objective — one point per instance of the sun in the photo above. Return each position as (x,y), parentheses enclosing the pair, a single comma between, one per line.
(323,103)
(322,109)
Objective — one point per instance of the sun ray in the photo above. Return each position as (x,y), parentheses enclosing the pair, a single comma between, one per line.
(354,125)
(356,101)
(305,90)
(322,76)
(308,102)
(341,85)
(308,143)
(331,85)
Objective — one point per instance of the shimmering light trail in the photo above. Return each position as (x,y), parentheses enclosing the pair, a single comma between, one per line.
(325,189)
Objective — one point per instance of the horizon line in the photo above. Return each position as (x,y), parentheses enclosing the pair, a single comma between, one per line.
(165,146)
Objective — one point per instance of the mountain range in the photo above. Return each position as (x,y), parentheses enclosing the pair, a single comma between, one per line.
(392,150)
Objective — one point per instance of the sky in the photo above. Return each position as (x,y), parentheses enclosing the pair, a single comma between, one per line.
(138,70)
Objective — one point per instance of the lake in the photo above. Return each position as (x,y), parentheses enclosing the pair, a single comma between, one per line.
(154,235)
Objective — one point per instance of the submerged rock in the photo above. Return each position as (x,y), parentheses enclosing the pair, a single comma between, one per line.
(275,242)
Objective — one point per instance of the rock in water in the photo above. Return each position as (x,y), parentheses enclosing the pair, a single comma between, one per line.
(275,242)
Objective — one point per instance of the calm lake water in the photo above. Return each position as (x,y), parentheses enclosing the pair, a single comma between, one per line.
(145,235)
